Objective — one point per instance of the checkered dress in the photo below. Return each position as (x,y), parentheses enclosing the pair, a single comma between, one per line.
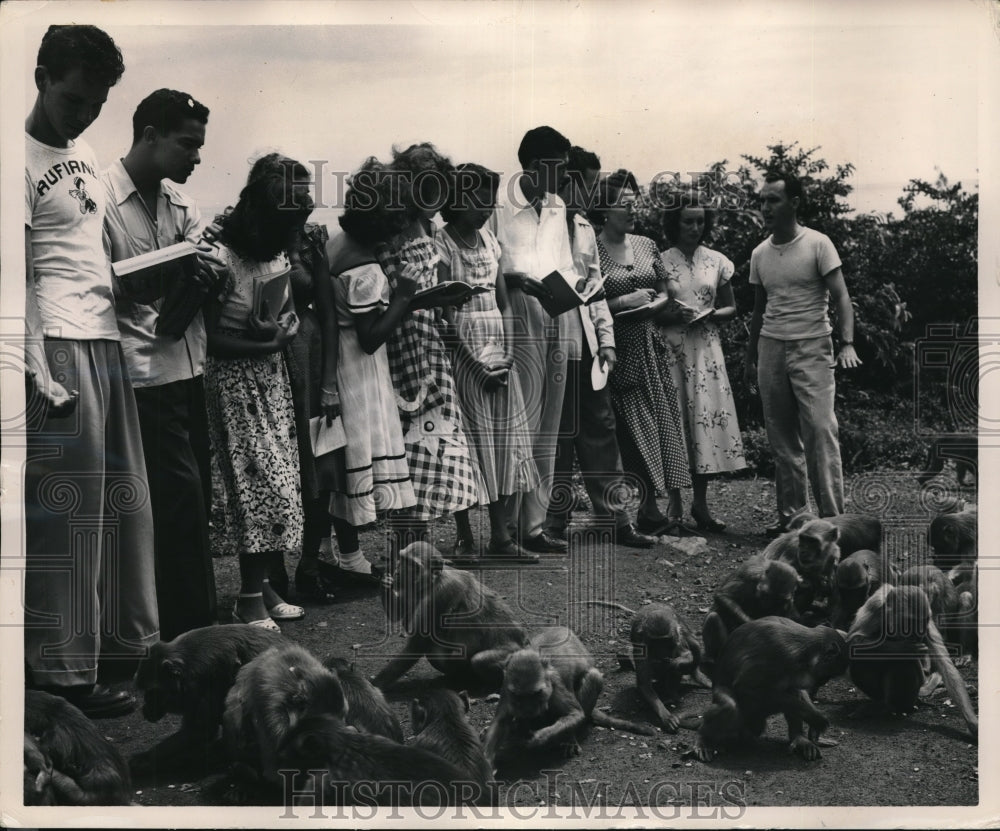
(445,476)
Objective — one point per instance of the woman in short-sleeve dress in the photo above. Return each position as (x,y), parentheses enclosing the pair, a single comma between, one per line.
(699,366)
(650,431)
(248,394)
(446,477)
(370,475)
(488,385)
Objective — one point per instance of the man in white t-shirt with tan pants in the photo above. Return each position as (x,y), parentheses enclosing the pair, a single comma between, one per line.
(795,272)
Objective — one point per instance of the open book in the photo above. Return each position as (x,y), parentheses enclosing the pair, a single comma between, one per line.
(275,290)
(566,293)
(657,305)
(149,276)
(447,293)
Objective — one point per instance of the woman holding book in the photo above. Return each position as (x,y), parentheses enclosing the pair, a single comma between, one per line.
(650,431)
(699,367)
(251,417)
(369,475)
(446,477)
(488,385)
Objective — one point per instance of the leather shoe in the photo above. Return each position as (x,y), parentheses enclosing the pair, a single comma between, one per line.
(656,527)
(775,530)
(98,701)
(629,536)
(544,543)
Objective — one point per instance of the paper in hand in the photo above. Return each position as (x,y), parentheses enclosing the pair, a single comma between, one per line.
(326,438)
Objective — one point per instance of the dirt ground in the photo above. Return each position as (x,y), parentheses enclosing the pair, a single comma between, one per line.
(924,759)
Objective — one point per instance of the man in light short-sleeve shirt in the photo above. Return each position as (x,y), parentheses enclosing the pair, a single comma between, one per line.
(795,272)
(89,594)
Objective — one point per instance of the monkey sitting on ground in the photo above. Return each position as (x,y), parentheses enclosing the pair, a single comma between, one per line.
(857,532)
(358,768)
(964,449)
(367,709)
(756,589)
(857,578)
(191,675)
(67,760)
(463,628)
(663,652)
(549,690)
(275,691)
(772,665)
(950,611)
(892,635)
(812,550)
(440,724)
(953,538)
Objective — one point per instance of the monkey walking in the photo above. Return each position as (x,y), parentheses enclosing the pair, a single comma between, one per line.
(892,635)
(439,719)
(768,666)
(67,761)
(463,628)
(550,689)
(191,675)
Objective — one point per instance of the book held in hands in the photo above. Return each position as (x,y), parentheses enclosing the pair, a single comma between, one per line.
(567,293)
(271,294)
(148,277)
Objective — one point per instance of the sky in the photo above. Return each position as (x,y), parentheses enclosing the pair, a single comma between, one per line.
(893,88)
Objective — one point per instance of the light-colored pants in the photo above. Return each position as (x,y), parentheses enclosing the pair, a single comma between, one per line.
(89,582)
(540,357)
(797,390)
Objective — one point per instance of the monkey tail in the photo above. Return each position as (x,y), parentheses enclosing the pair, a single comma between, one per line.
(604,720)
(606,603)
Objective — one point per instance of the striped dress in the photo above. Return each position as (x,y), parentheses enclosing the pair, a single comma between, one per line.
(495,421)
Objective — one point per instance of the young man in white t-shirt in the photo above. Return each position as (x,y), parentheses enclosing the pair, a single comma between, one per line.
(790,352)
(89,585)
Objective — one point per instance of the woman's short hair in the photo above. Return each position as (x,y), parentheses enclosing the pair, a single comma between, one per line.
(608,191)
(672,215)
(463,180)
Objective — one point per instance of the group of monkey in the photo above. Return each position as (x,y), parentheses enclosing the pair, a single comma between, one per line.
(819,601)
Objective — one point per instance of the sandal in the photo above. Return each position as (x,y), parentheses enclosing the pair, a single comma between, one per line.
(263,623)
(286,611)
(706,522)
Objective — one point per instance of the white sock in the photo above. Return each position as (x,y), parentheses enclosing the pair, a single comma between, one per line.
(355,562)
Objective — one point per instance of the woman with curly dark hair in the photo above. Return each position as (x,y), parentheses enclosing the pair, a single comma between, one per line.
(249,397)
(370,475)
(446,477)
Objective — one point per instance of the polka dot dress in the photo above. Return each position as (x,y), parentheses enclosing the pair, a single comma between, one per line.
(651,434)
